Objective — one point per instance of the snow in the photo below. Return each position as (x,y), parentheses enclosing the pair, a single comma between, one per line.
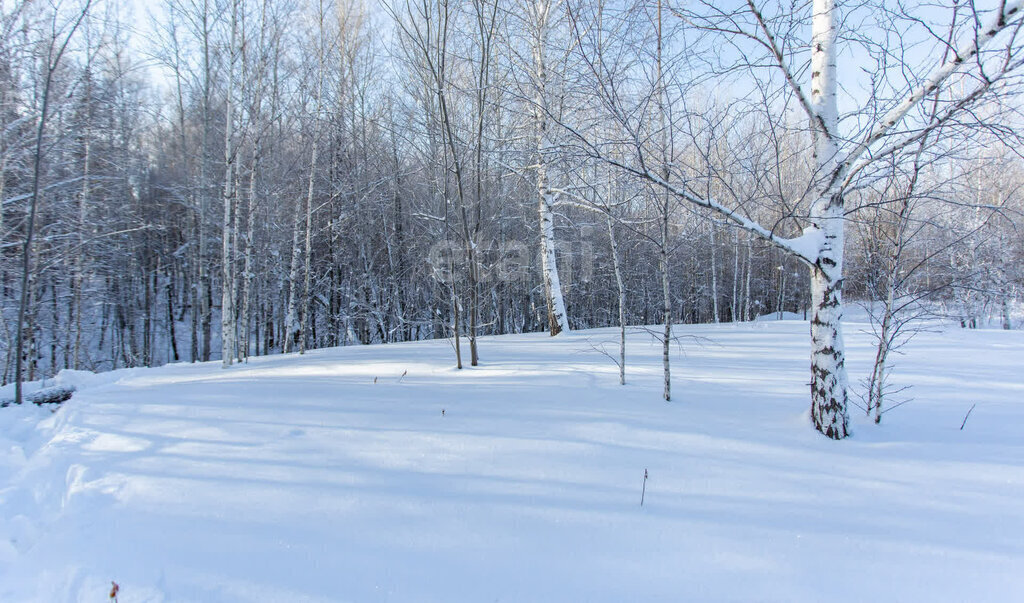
(330,477)
(808,244)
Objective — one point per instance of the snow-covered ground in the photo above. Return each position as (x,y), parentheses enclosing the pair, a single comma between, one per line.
(331,477)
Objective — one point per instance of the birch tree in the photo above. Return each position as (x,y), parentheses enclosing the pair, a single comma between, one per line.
(228,318)
(987,50)
(540,18)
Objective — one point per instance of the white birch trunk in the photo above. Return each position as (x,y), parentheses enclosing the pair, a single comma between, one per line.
(714,275)
(204,293)
(746,280)
(622,298)
(237,317)
(79,275)
(666,199)
(829,382)
(1005,284)
(667,299)
(247,253)
(257,149)
(558,319)
(828,359)
(307,252)
(876,385)
(735,274)
(3,176)
(1005,307)
(227,303)
(291,319)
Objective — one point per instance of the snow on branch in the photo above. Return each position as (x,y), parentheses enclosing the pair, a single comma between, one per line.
(1003,20)
(805,247)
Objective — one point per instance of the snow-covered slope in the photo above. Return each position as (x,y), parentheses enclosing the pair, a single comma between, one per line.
(331,477)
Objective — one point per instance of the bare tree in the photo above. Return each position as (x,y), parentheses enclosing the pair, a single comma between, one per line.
(429,28)
(229,289)
(540,17)
(839,158)
(61,31)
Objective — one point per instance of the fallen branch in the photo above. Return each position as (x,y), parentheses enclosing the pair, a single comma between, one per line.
(50,395)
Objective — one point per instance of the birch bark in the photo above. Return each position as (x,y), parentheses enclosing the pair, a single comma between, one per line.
(558,320)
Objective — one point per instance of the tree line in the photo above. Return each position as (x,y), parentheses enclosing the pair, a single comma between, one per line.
(225,178)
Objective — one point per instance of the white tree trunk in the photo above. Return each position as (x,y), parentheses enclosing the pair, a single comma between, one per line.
(308,251)
(714,274)
(666,299)
(746,280)
(828,360)
(304,318)
(735,274)
(79,273)
(247,252)
(876,385)
(228,289)
(291,319)
(1005,291)
(205,292)
(622,298)
(666,199)
(558,319)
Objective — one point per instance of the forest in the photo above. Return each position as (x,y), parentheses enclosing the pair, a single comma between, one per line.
(194,180)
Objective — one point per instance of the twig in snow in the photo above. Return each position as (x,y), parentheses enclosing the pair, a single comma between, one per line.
(404,373)
(967,415)
(644,490)
(600,349)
